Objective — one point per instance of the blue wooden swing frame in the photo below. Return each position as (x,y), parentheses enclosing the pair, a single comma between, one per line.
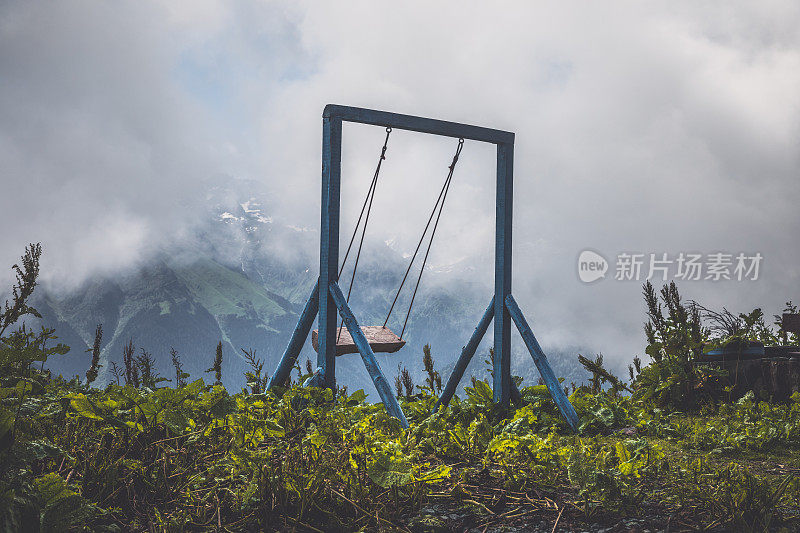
(326,299)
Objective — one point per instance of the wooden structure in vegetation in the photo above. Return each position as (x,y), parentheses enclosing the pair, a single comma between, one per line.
(769,371)
(327,299)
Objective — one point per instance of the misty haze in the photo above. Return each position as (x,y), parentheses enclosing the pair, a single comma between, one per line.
(167,158)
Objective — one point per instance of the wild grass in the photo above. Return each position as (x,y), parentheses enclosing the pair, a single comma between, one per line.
(151,455)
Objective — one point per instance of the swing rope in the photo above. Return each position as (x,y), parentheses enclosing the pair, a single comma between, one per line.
(438,205)
(368,199)
(368,206)
(366,209)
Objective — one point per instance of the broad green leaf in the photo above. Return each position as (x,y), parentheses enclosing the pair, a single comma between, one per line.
(435,474)
(386,471)
(81,404)
(42,449)
(176,421)
(222,408)
(52,487)
(358,396)
(6,392)
(273,429)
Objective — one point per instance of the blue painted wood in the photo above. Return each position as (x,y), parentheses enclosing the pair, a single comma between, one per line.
(752,351)
(502,274)
(735,349)
(540,359)
(333,116)
(329,246)
(374,369)
(299,337)
(315,380)
(463,360)
(421,124)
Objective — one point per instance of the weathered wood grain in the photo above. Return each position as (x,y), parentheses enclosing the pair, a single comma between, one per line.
(381,340)
(368,356)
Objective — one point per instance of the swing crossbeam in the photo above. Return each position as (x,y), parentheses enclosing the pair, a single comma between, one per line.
(327,300)
(419,124)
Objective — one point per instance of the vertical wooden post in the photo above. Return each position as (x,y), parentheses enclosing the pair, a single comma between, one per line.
(502,274)
(329,246)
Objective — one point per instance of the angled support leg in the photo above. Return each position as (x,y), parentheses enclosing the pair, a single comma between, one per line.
(465,358)
(540,359)
(463,361)
(299,337)
(367,355)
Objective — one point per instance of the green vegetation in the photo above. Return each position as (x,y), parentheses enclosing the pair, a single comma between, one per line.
(91,374)
(148,456)
(223,292)
(216,368)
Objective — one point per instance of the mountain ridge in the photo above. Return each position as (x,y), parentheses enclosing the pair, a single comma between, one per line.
(235,283)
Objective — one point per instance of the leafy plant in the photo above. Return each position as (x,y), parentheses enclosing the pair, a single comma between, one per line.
(180,375)
(146,364)
(91,374)
(674,340)
(131,368)
(434,381)
(255,381)
(216,366)
(26,277)
(600,375)
(403,382)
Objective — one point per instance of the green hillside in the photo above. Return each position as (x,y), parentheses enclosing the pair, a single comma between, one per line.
(221,291)
(189,306)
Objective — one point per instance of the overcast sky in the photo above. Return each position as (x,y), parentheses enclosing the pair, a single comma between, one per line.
(650,128)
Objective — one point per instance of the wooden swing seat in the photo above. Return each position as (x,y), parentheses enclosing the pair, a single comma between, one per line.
(381,340)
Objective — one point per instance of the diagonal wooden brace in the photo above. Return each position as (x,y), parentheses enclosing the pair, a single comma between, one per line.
(374,369)
(466,356)
(299,337)
(540,359)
